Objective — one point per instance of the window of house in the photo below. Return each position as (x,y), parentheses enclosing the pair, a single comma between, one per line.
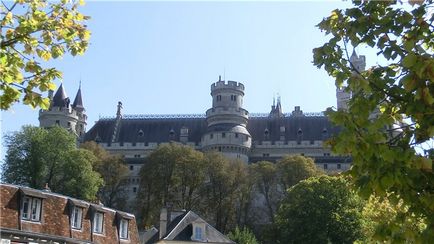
(76,217)
(265,155)
(338,166)
(31,208)
(131,167)
(134,189)
(57,122)
(123,229)
(223,135)
(325,166)
(198,233)
(211,136)
(98,221)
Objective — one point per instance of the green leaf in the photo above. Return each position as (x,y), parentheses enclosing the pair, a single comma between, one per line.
(409,60)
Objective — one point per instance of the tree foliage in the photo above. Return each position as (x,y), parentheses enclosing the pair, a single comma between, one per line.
(113,171)
(386,219)
(271,180)
(37,156)
(320,210)
(390,113)
(171,175)
(223,190)
(243,236)
(34,31)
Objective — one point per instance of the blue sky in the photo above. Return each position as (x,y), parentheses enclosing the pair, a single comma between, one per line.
(161,57)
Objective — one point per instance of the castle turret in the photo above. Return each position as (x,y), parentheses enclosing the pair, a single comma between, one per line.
(61,113)
(77,105)
(358,63)
(227,121)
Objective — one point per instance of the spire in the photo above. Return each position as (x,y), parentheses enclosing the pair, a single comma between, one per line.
(60,99)
(353,55)
(78,101)
(276,109)
(279,106)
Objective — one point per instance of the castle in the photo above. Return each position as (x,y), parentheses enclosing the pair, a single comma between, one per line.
(226,127)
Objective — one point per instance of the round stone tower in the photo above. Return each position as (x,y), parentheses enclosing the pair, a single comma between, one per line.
(62,113)
(227,121)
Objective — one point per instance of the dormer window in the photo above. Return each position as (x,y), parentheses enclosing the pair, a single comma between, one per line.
(31,204)
(123,220)
(266,134)
(171,134)
(76,209)
(299,132)
(198,231)
(31,208)
(98,222)
(76,217)
(123,229)
(140,133)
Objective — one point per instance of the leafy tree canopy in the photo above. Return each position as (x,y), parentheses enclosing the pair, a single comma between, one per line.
(114,171)
(243,236)
(37,156)
(320,210)
(34,31)
(390,114)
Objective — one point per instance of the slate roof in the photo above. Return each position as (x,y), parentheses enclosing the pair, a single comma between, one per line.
(181,229)
(59,99)
(78,101)
(166,129)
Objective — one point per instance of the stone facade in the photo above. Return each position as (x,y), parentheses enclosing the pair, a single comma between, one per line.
(226,127)
(50,219)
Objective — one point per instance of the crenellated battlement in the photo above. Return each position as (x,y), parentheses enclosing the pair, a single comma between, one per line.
(227,85)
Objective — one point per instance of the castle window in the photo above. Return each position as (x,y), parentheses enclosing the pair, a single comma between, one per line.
(266,134)
(219,97)
(98,222)
(236,135)
(134,189)
(220,149)
(57,122)
(233,97)
(325,166)
(223,135)
(299,132)
(69,124)
(211,136)
(265,155)
(131,167)
(338,166)
(140,133)
(76,217)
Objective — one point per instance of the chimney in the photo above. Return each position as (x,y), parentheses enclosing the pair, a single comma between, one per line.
(164,222)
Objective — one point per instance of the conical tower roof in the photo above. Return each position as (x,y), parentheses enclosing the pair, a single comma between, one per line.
(78,101)
(59,97)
